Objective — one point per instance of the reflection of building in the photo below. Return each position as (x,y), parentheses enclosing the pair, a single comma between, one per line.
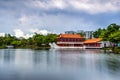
(89,34)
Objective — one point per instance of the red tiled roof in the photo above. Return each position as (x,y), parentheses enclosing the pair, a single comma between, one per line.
(70,36)
(95,40)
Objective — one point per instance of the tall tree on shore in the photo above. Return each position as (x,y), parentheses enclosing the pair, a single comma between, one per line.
(98,33)
(8,39)
(38,39)
(108,33)
(115,37)
(1,41)
(51,38)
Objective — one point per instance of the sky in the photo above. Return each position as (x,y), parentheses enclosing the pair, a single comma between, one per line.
(24,17)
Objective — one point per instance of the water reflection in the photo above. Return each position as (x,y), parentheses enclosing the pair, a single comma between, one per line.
(8,57)
(58,64)
(113,64)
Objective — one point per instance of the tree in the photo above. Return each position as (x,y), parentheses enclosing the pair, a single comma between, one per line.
(16,43)
(1,41)
(115,37)
(111,29)
(8,39)
(51,38)
(39,39)
(98,33)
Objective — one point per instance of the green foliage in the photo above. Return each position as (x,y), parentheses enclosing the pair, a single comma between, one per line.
(1,41)
(16,43)
(51,38)
(115,37)
(111,33)
(36,41)
(39,39)
(113,28)
(98,33)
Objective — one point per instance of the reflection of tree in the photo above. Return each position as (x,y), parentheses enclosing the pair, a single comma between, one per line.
(44,60)
(9,56)
(41,57)
(37,58)
(113,64)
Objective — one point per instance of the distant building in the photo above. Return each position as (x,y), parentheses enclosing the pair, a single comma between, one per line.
(70,32)
(88,34)
(80,31)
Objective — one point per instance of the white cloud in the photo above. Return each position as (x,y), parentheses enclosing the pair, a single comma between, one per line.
(43,32)
(54,23)
(29,21)
(23,19)
(2,34)
(19,33)
(89,6)
(93,7)
(60,4)
(62,15)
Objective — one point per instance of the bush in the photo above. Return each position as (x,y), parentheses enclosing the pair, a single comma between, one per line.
(3,47)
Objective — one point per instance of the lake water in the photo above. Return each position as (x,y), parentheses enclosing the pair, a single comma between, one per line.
(53,64)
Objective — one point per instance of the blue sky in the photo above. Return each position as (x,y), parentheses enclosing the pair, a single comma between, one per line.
(28,16)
